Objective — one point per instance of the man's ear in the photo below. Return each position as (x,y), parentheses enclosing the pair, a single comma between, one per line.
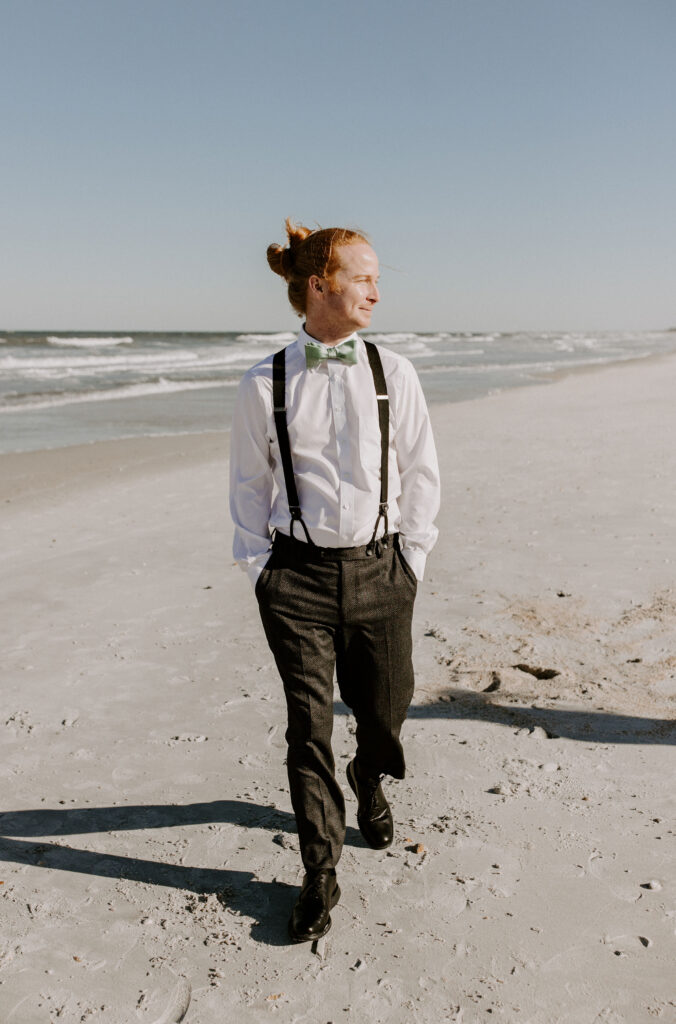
(315,283)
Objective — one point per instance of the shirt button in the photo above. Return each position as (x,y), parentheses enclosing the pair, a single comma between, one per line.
(346,506)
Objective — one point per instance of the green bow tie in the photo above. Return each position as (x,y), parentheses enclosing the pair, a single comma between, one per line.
(315,352)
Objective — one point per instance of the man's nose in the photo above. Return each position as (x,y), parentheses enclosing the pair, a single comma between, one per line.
(374,294)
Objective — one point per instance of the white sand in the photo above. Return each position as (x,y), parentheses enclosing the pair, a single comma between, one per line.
(149,853)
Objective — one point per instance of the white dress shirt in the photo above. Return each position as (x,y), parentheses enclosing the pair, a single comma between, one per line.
(332,417)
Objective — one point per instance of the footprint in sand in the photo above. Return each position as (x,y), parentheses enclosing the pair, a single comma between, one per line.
(606,870)
(178,1004)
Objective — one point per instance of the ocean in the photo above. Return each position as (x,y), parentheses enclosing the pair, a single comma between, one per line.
(65,388)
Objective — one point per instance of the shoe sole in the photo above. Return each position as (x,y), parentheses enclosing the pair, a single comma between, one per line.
(317,935)
(353,786)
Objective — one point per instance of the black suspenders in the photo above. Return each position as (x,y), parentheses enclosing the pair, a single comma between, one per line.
(279,407)
(384,421)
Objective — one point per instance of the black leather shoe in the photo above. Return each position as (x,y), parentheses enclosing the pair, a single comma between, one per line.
(311,917)
(374,816)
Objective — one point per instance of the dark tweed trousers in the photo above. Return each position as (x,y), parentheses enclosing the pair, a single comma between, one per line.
(326,609)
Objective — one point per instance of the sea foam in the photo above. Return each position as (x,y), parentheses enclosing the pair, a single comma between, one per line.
(159,387)
(53,339)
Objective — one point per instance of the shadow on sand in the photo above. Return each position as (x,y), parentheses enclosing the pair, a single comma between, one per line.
(268,903)
(564,723)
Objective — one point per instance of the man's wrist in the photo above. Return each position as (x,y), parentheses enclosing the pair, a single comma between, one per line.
(256,566)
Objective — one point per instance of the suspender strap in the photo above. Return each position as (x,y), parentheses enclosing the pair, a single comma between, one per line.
(384,422)
(279,408)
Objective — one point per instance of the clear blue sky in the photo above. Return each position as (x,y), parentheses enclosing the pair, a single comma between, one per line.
(514,161)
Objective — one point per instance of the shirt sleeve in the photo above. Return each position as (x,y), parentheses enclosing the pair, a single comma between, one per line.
(418,471)
(251,479)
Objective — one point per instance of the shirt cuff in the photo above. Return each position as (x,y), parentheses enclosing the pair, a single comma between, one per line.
(416,560)
(255,568)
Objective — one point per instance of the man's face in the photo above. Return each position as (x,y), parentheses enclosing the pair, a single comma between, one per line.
(352,292)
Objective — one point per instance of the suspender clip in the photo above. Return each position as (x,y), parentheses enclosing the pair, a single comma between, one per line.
(297,517)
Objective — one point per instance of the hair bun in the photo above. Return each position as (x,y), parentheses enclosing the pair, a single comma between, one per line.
(278,259)
(281,260)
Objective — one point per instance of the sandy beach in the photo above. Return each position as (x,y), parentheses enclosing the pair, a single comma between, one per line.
(149,855)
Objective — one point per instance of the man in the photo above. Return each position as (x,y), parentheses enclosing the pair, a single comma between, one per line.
(334,490)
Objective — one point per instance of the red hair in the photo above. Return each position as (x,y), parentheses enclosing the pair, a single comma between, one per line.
(308,253)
